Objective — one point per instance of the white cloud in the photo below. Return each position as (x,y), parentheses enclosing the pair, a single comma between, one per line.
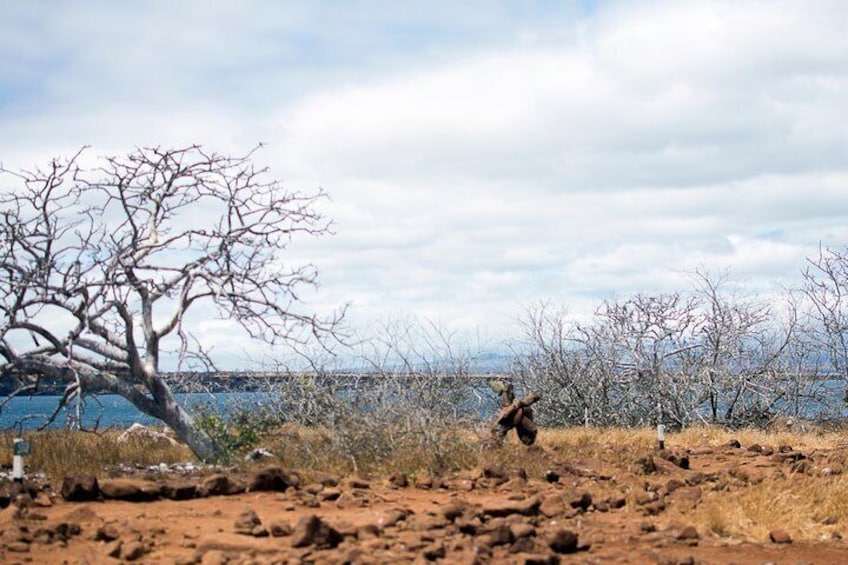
(479,156)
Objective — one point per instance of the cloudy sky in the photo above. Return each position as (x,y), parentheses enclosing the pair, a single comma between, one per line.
(480,155)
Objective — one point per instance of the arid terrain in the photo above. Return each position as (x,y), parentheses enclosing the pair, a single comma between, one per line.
(669,507)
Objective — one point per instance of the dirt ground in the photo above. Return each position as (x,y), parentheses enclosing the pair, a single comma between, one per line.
(577,511)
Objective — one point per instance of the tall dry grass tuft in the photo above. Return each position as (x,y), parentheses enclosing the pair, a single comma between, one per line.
(806,437)
(806,507)
(58,453)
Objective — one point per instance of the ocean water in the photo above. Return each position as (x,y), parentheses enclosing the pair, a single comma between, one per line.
(111,410)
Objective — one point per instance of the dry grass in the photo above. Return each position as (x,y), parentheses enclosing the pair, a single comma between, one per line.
(806,507)
(58,453)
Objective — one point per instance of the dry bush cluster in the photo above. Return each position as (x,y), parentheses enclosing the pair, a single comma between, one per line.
(711,355)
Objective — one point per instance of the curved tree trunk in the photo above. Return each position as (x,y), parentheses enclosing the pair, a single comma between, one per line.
(198,441)
(166,408)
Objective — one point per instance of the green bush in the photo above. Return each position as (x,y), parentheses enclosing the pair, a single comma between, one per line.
(237,432)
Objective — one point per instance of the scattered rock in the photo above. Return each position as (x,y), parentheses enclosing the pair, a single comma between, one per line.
(273,479)
(42,499)
(552,506)
(536,559)
(107,532)
(80,488)
(178,491)
(678,459)
(453,510)
(312,531)
(494,472)
(788,456)
(219,485)
(399,480)
(113,548)
(279,529)
(424,482)
(132,550)
(329,494)
(688,533)
(780,536)
(392,517)
(434,551)
(129,490)
(563,541)
(582,501)
(522,530)
(360,484)
(525,507)
(246,522)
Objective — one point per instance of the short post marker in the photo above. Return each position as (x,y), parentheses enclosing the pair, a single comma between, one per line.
(661,436)
(20,447)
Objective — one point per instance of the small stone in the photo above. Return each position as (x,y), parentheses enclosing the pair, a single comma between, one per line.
(522,530)
(278,529)
(425,482)
(453,510)
(780,536)
(178,491)
(522,545)
(311,530)
(246,522)
(552,506)
(130,490)
(330,494)
(107,532)
(359,484)
(563,541)
(582,501)
(17,547)
(525,507)
(392,518)
(434,551)
(42,499)
(219,485)
(648,527)
(688,533)
(133,550)
(273,479)
(80,488)
(399,480)
(113,548)
(367,531)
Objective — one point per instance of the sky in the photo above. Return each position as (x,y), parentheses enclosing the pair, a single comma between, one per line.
(481,156)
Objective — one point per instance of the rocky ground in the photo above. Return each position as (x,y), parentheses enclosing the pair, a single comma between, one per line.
(576,511)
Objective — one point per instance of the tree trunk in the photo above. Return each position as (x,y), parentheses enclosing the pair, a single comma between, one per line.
(164,406)
(198,441)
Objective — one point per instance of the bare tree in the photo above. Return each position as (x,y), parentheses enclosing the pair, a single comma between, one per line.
(744,353)
(100,268)
(825,283)
(676,358)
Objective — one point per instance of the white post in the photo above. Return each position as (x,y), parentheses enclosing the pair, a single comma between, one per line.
(17,463)
(586,417)
(661,435)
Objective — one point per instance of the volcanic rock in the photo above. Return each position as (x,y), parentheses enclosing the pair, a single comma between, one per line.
(80,488)
(312,531)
